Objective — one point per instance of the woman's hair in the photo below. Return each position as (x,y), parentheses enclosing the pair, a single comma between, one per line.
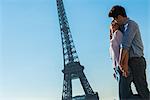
(114,22)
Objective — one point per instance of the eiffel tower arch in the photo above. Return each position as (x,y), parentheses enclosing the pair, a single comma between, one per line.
(72,67)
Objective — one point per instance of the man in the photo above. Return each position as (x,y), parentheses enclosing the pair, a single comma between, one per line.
(132,49)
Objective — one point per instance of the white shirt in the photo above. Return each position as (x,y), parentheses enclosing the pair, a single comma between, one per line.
(115,47)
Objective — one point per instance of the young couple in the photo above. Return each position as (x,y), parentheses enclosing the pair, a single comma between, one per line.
(126,50)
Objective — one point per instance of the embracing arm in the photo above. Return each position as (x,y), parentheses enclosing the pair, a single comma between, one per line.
(129,34)
(123,61)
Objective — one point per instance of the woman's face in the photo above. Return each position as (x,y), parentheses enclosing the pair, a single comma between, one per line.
(115,26)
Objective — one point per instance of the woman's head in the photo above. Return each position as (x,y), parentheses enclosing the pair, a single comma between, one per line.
(114,26)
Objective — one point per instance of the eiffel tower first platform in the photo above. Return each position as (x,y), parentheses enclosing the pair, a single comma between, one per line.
(72,67)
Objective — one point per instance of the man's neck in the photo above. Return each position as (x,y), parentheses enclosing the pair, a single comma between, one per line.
(124,20)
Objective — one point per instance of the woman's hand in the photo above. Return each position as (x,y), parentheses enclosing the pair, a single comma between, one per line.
(124,62)
(124,70)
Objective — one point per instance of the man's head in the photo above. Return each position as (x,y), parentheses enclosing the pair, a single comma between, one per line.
(118,14)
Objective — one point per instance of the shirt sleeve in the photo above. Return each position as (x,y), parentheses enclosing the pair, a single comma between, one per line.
(118,36)
(129,32)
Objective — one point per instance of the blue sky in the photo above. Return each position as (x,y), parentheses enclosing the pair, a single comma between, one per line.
(31,53)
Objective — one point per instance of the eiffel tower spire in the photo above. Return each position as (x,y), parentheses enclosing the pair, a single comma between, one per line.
(69,51)
(72,68)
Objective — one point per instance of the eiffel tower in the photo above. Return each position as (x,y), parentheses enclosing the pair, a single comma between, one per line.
(72,67)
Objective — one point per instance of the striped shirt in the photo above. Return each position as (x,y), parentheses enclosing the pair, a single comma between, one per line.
(132,38)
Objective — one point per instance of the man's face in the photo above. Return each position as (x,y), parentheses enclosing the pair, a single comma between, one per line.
(118,19)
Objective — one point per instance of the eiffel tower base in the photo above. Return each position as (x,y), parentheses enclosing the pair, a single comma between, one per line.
(87,97)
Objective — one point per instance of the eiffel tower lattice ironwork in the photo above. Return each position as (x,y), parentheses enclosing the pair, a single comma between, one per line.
(72,68)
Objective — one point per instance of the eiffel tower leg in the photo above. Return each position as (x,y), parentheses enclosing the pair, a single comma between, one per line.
(67,87)
(85,84)
(90,95)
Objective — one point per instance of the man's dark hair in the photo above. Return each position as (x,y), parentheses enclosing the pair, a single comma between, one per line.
(117,10)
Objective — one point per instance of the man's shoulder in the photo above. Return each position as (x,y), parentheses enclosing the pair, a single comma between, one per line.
(132,22)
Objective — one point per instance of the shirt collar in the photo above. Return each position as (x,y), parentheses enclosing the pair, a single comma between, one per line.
(122,28)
